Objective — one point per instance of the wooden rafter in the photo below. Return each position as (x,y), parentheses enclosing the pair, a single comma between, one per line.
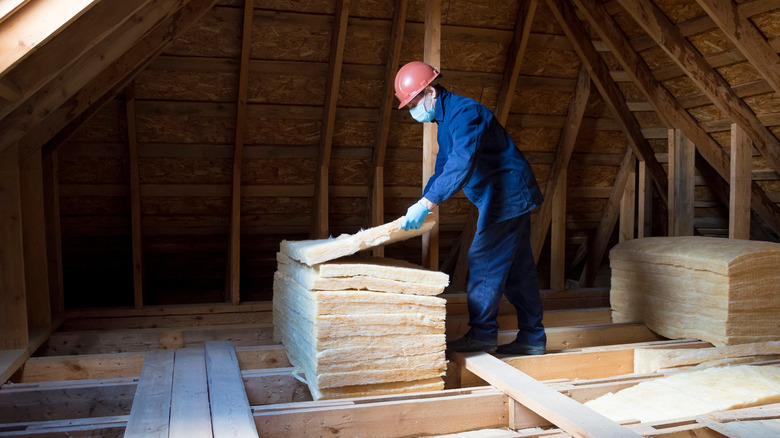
(234,242)
(376,192)
(743,33)
(664,103)
(669,38)
(50,109)
(338,37)
(574,115)
(599,243)
(608,89)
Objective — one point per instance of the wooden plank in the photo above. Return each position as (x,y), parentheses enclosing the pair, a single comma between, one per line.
(558,236)
(10,361)
(608,89)
(433,413)
(569,415)
(376,196)
(233,270)
(36,279)
(740,184)
(644,199)
(190,412)
(431,56)
(151,409)
(13,312)
(669,38)
(607,223)
(231,415)
(93,426)
(681,184)
(574,115)
(748,39)
(135,200)
(338,37)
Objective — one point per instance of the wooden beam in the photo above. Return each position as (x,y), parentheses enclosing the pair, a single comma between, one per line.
(149,416)
(13,312)
(681,184)
(231,415)
(338,37)
(525,16)
(53,232)
(135,200)
(432,56)
(190,412)
(741,179)
(628,208)
(644,199)
(567,414)
(608,89)
(748,39)
(61,109)
(667,105)
(599,243)
(34,238)
(233,290)
(669,38)
(574,115)
(558,236)
(376,198)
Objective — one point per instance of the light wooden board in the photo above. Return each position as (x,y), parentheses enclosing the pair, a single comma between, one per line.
(231,415)
(152,403)
(190,412)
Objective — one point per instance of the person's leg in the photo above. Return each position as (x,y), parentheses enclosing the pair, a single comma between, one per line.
(489,258)
(522,290)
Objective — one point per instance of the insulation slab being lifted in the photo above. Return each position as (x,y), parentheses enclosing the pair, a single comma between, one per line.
(723,291)
(359,326)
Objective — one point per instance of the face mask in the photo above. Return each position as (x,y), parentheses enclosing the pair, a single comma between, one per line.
(425,111)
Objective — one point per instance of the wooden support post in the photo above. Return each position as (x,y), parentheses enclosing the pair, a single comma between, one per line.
(338,38)
(558,236)
(681,179)
(190,412)
(432,56)
(740,184)
(135,200)
(53,232)
(644,199)
(558,409)
(231,415)
(627,208)
(13,312)
(34,236)
(233,289)
(149,415)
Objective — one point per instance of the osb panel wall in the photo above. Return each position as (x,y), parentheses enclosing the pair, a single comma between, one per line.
(186,110)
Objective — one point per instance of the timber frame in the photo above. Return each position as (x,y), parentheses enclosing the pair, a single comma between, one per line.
(153,154)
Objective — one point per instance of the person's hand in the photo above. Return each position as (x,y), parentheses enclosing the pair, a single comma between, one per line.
(415,216)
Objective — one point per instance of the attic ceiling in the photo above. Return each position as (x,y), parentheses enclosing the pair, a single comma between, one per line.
(205,131)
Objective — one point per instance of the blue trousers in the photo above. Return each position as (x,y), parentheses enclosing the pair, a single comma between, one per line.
(501,263)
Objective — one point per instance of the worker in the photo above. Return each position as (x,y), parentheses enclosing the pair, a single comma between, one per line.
(477,155)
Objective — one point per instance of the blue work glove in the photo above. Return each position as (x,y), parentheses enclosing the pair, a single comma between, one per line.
(415,216)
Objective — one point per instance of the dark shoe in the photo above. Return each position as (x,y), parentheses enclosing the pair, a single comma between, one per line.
(518,348)
(466,344)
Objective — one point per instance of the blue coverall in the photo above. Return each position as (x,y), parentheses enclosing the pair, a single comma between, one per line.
(477,155)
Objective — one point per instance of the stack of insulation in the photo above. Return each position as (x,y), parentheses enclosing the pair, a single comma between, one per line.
(359,326)
(723,291)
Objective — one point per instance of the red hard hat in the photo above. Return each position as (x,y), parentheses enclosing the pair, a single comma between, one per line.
(411,79)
